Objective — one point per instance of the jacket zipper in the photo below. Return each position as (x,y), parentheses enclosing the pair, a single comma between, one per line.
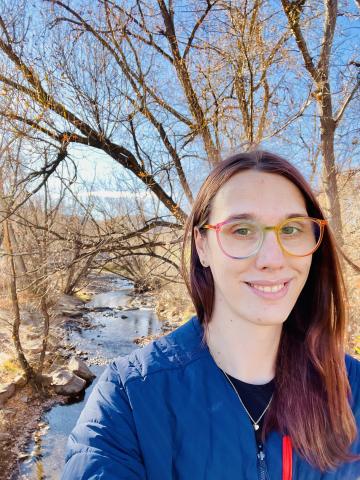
(261,464)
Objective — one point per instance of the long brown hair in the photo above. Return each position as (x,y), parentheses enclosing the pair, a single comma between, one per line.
(312,392)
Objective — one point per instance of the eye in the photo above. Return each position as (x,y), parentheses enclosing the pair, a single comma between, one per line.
(288,230)
(242,230)
(291,229)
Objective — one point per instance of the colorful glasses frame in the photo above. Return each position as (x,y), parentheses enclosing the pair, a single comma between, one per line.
(264,229)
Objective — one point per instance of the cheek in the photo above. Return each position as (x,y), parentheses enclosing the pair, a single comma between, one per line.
(307,266)
(229,273)
(304,269)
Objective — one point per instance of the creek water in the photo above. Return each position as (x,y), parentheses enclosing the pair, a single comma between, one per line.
(113,334)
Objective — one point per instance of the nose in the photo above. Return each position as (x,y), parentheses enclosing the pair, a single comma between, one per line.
(270,254)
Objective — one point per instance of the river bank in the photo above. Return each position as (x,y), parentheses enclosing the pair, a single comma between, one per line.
(23,413)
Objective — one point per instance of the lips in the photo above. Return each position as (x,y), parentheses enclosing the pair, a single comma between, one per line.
(265,283)
(270,290)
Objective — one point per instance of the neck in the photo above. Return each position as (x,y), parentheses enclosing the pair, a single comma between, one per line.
(242,349)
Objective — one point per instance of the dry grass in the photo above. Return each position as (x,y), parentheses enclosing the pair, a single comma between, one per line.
(173,304)
(9,370)
(11,366)
(83,295)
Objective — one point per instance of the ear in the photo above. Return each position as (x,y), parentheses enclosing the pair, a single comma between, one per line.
(201,245)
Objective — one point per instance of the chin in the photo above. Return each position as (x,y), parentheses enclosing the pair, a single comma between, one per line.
(272,323)
(275,321)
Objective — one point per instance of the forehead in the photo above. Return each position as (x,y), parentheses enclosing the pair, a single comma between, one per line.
(268,196)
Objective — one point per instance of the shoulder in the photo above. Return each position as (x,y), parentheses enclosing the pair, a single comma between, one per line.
(353,371)
(143,371)
(174,350)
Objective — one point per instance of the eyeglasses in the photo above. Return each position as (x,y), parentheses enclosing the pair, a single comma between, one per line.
(239,238)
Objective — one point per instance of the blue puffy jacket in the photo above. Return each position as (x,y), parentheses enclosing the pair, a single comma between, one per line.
(166,411)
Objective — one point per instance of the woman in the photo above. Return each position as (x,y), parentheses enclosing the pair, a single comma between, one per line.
(257,385)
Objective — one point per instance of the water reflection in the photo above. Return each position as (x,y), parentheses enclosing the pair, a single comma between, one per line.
(112,336)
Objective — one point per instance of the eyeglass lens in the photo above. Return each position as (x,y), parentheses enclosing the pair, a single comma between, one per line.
(242,238)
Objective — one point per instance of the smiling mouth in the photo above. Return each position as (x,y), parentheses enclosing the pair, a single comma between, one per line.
(268,288)
(270,292)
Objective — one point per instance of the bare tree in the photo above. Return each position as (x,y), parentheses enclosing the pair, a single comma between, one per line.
(319,68)
(162,89)
(41,95)
(155,87)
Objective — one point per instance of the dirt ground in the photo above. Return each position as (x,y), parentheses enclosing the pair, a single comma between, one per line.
(18,420)
(21,413)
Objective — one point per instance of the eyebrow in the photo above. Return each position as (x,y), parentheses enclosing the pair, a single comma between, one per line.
(249,216)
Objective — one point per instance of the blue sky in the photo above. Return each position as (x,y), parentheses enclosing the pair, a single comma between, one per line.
(96,169)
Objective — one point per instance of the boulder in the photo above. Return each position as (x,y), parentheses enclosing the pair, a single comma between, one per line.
(67,383)
(72,313)
(7,390)
(20,381)
(33,348)
(68,302)
(79,367)
(98,309)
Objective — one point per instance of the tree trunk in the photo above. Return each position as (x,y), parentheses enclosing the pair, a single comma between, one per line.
(329,174)
(45,336)
(28,370)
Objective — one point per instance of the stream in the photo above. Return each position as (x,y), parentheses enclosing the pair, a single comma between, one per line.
(113,334)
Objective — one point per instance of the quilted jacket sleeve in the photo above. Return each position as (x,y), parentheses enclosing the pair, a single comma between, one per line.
(104,444)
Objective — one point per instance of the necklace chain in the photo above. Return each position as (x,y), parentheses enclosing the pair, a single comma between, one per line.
(255,423)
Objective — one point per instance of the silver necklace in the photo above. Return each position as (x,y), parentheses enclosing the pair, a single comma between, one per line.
(255,423)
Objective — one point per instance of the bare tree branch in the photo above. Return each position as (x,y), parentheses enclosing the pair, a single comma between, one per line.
(339,115)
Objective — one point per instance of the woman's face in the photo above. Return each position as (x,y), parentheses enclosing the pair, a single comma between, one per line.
(270,199)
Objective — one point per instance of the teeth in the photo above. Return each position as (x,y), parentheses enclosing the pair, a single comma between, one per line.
(272,289)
